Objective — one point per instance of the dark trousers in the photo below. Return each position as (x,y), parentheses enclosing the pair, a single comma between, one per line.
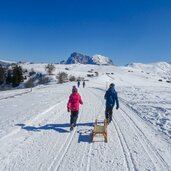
(74,117)
(108,113)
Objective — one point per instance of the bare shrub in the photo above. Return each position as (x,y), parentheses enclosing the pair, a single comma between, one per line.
(44,80)
(50,68)
(62,77)
(72,78)
(96,73)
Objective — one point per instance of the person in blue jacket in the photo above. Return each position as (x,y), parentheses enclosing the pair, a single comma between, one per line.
(111,98)
(78,83)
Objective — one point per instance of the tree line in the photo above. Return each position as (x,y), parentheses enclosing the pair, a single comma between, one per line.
(14,75)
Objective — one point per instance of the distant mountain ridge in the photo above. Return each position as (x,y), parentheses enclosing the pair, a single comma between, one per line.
(79,58)
(6,63)
(161,68)
(76,58)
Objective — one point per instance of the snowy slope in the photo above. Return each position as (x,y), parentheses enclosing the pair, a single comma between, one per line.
(34,125)
(160,68)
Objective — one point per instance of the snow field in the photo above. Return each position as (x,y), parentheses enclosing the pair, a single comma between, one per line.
(34,126)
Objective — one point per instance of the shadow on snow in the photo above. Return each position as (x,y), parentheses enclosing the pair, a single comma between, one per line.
(84,134)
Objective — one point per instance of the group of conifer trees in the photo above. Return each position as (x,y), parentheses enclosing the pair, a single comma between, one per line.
(12,75)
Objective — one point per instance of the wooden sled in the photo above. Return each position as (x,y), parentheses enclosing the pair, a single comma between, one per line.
(100,129)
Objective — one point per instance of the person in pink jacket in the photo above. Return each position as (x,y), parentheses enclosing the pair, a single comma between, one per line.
(73,106)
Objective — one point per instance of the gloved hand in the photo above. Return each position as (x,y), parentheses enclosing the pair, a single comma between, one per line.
(68,109)
(117,107)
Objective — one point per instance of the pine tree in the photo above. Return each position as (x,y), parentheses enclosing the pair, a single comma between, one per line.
(2,75)
(17,75)
(9,77)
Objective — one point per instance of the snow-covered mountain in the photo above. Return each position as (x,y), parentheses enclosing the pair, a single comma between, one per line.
(160,68)
(85,59)
(102,60)
(161,65)
(79,58)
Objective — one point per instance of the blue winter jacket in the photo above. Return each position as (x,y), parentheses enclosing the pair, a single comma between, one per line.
(111,97)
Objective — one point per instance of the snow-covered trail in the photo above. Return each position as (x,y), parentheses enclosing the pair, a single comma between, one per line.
(43,142)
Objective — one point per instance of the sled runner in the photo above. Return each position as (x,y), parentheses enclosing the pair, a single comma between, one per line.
(100,129)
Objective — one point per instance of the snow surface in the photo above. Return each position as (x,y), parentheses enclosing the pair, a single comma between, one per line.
(34,125)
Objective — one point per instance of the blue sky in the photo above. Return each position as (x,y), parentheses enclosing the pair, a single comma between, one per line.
(50,30)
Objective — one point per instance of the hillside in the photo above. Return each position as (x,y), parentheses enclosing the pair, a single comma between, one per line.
(34,125)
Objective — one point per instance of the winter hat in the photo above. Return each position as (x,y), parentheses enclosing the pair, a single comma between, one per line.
(112,85)
(74,89)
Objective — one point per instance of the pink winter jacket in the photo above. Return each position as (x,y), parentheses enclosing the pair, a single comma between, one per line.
(74,101)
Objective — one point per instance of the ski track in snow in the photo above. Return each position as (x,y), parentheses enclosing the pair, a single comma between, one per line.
(15,95)
(60,155)
(128,158)
(148,147)
(130,154)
